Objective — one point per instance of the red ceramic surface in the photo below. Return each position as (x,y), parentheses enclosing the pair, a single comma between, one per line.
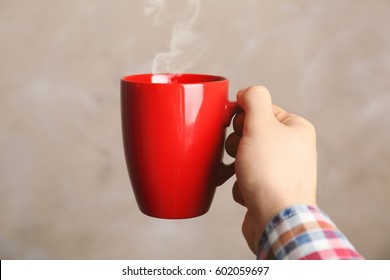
(173,131)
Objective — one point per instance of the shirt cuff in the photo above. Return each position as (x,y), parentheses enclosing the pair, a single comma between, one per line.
(304,232)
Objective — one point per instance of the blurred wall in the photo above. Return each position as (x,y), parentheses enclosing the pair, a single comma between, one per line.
(64,188)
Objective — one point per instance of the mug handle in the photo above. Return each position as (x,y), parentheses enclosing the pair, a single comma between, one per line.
(226,171)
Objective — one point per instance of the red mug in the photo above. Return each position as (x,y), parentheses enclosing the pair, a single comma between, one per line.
(173,129)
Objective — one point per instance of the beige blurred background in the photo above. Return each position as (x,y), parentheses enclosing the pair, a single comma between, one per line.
(64,188)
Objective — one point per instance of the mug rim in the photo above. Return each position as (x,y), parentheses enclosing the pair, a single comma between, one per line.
(172,78)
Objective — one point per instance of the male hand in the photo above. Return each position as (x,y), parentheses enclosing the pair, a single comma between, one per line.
(276,160)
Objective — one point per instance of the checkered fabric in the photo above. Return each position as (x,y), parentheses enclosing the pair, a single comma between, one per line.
(304,232)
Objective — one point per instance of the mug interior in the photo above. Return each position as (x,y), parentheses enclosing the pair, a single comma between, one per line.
(172,78)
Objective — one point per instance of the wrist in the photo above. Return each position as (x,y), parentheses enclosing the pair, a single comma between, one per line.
(260,219)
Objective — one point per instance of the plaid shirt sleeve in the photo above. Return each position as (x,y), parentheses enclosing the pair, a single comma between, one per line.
(304,232)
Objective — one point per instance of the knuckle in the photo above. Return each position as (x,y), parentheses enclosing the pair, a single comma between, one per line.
(257,88)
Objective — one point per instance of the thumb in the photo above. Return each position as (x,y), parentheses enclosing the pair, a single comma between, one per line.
(256,102)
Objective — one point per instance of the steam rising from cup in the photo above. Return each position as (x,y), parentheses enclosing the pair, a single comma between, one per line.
(186,44)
